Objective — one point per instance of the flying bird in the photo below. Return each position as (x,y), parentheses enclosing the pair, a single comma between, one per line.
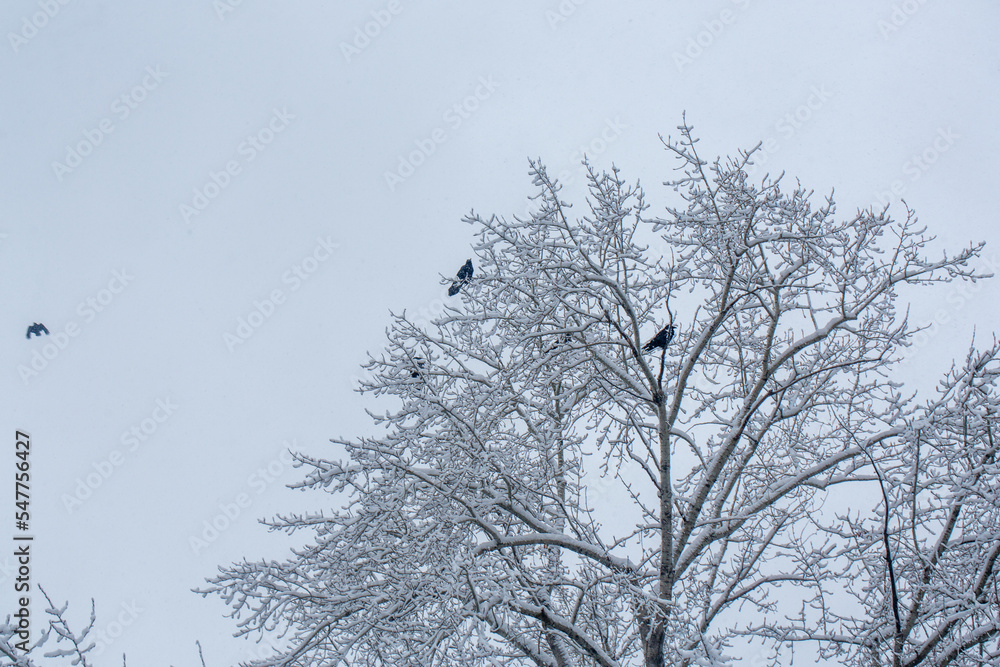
(661,339)
(37,329)
(463,278)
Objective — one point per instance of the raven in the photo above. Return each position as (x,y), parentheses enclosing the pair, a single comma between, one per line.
(564,339)
(464,276)
(661,339)
(420,364)
(37,329)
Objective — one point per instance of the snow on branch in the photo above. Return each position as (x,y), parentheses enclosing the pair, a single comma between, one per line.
(619,432)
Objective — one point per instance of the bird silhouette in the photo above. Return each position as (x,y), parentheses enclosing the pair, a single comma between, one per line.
(562,341)
(463,278)
(37,329)
(661,339)
(420,364)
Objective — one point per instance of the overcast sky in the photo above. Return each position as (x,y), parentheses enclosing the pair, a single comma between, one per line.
(213,206)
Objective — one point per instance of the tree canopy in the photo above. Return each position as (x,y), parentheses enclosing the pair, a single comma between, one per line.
(545,494)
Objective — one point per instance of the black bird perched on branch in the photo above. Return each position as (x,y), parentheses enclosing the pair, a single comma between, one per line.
(562,341)
(420,364)
(463,278)
(37,329)
(661,339)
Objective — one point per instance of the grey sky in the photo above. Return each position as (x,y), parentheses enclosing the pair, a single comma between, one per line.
(232,159)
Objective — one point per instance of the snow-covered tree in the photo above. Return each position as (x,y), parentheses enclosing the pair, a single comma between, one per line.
(928,573)
(75,648)
(58,643)
(546,492)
